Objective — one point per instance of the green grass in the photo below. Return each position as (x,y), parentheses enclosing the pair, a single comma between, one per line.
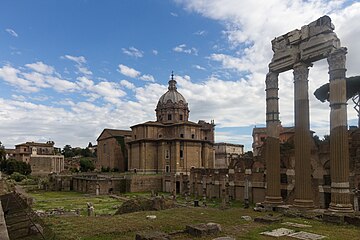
(127,225)
(72,200)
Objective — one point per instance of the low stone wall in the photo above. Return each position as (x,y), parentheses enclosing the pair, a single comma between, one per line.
(101,184)
(3,230)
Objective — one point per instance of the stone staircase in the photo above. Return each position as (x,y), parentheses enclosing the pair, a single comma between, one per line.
(21,221)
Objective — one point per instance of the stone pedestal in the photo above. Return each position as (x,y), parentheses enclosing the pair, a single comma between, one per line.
(272,154)
(303,190)
(339,146)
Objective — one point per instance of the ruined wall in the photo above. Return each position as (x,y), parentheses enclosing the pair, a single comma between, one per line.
(144,183)
(45,164)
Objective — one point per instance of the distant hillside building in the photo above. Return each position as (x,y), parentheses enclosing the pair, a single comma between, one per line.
(259,136)
(225,152)
(43,157)
(112,150)
(172,143)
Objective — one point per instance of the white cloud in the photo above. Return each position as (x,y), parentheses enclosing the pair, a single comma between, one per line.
(199,67)
(18,97)
(11,75)
(174,14)
(127,84)
(147,77)
(128,71)
(155,52)
(134,52)
(200,33)
(41,67)
(182,49)
(79,60)
(11,32)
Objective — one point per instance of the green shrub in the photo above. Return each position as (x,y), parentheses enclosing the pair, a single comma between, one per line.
(18,177)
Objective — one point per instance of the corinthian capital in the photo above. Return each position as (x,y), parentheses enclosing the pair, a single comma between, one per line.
(272,80)
(337,59)
(301,72)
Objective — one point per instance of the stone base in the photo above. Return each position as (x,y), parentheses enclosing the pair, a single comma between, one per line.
(273,201)
(200,230)
(341,208)
(303,204)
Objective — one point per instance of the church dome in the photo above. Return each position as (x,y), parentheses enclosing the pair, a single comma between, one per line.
(172,94)
(172,106)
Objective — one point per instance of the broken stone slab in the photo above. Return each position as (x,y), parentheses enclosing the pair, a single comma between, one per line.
(282,208)
(268,219)
(306,236)
(246,218)
(152,236)
(203,229)
(298,225)
(279,232)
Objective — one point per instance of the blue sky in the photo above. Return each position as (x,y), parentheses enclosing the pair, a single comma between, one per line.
(69,69)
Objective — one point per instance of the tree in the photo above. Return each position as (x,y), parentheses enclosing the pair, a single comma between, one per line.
(68,151)
(86,165)
(85,152)
(2,152)
(10,166)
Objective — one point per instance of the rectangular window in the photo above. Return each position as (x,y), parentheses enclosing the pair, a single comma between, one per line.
(181,117)
(169,116)
(167,168)
(181,154)
(192,136)
(182,135)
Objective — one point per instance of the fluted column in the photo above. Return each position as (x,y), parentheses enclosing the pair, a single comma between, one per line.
(272,154)
(339,146)
(303,189)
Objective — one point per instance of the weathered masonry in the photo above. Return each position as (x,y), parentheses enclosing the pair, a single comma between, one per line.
(297,50)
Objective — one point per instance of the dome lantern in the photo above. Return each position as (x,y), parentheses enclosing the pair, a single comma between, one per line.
(172,106)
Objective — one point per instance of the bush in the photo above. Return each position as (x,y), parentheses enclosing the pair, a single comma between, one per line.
(10,166)
(86,165)
(18,177)
(105,169)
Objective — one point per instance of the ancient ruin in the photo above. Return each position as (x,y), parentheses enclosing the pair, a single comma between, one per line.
(297,50)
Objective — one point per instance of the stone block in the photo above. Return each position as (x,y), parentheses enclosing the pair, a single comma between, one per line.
(203,229)
(268,219)
(298,225)
(353,220)
(306,236)
(152,236)
(280,232)
(333,218)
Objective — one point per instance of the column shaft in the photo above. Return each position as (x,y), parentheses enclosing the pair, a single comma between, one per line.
(339,146)
(272,154)
(303,189)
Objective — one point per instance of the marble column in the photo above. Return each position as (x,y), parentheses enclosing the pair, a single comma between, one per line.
(303,189)
(339,146)
(272,154)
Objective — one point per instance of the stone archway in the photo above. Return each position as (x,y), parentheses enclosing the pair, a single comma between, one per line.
(296,51)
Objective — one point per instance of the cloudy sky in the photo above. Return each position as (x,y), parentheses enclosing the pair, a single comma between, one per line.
(69,69)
